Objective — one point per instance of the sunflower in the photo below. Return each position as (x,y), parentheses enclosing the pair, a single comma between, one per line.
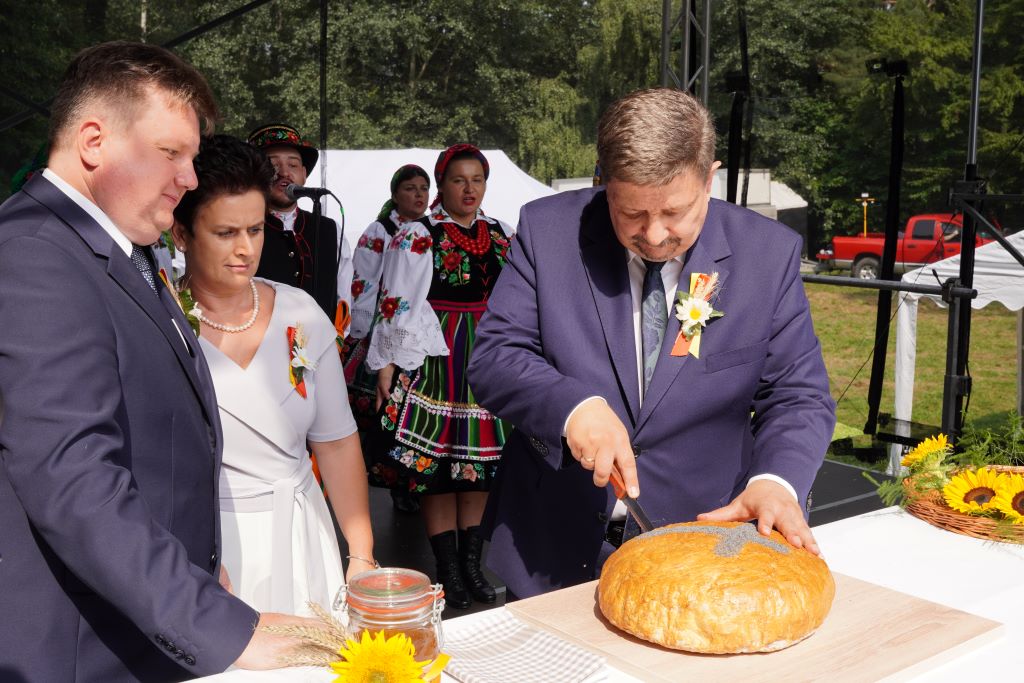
(972,491)
(379,659)
(931,446)
(1010,498)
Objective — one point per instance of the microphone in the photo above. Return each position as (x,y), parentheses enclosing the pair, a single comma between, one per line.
(294,192)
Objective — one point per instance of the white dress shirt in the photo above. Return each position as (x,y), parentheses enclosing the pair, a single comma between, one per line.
(670,273)
(120,239)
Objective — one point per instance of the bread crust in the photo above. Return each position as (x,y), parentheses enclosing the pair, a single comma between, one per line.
(672,587)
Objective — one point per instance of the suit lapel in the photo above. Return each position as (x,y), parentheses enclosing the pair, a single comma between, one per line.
(604,261)
(709,254)
(121,269)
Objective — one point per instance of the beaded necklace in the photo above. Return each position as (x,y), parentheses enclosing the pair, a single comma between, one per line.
(477,246)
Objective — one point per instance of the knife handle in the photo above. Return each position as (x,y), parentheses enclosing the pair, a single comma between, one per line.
(619,486)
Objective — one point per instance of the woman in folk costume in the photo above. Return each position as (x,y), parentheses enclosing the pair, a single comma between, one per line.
(275,366)
(410,192)
(439,275)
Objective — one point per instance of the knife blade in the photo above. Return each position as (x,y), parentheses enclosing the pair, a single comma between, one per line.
(632,504)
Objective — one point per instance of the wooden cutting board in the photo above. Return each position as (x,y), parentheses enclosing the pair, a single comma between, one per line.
(871,634)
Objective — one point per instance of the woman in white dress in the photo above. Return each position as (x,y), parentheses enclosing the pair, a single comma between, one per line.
(279,383)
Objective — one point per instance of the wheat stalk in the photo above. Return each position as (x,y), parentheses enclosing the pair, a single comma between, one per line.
(310,635)
(333,625)
(308,655)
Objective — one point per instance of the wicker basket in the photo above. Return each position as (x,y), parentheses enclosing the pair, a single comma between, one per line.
(932,508)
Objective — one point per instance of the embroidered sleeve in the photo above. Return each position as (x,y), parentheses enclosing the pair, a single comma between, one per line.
(406,329)
(368,265)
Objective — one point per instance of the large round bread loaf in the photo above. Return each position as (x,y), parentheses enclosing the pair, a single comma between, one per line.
(715,587)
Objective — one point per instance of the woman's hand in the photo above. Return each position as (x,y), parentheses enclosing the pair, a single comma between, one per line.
(358,565)
(344,475)
(384,378)
(225,580)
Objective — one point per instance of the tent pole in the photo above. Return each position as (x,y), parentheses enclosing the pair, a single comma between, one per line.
(959,383)
(892,226)
(1020,362)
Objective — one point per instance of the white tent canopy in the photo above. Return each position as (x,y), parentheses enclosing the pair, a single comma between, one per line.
(997,278)
(361,179)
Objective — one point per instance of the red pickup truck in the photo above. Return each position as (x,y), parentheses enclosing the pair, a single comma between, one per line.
(927,238)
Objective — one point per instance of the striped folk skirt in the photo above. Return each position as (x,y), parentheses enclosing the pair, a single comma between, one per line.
(437,439)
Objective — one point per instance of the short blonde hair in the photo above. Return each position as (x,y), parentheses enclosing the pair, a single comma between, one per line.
(650,136)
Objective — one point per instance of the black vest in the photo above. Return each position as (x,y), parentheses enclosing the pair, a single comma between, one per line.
(294,258)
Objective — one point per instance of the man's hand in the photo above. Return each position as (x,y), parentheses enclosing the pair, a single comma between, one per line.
(268,650)
(772,506)
(384,377)
(597,439)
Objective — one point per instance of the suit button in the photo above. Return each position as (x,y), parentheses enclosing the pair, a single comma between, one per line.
(213,560)
(291,254)
(636,451)
(190,660)
(296,273)
(603,518)
(160,639)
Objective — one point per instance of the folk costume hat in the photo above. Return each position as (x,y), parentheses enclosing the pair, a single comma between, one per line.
(274,134)
(462,150)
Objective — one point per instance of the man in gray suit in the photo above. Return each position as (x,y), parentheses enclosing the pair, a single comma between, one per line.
(110,442)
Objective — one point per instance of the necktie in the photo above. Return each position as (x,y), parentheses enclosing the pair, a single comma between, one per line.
(141,261)
(653,318)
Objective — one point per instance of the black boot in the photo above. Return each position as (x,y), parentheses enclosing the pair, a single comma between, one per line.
(448,574)
(471,545)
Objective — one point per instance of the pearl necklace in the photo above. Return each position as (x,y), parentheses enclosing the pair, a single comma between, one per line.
(231,329)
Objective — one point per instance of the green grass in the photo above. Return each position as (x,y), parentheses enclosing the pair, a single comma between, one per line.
(844,320)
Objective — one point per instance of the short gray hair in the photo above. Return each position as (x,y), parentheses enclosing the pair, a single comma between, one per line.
(650,136)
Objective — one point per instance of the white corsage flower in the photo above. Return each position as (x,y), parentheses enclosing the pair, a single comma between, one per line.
(693,313)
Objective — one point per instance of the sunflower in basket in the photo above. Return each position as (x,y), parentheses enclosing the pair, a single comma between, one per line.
(927,469)
(1009,499)
(972,491)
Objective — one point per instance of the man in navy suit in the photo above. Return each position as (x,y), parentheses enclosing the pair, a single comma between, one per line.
(581,349)
(110,441)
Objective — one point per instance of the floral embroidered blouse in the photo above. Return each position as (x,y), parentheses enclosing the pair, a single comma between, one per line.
(407,329)
(368,267)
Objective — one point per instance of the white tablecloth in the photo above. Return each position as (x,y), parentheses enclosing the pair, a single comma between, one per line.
(893,549)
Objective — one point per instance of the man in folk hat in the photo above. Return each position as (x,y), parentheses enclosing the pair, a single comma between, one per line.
(296,249)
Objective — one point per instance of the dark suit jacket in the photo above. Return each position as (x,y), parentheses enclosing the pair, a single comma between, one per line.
(110,447)
(559,329)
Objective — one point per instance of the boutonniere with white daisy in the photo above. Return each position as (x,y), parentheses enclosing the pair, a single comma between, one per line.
(694,311)
(299,360)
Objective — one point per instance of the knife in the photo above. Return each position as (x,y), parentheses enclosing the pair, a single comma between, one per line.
(632,504)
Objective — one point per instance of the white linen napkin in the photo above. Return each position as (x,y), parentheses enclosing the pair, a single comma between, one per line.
(498,648)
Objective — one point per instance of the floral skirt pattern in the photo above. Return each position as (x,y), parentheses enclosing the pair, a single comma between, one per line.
(361,381)
(435,436)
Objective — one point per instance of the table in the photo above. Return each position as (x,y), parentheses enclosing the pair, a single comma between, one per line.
(893,549)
